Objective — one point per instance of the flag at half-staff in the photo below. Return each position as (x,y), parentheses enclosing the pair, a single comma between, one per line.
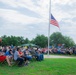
(53,21)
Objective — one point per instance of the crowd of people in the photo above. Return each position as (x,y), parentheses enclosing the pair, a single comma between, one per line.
(21,55)
(70,51)
(24,55)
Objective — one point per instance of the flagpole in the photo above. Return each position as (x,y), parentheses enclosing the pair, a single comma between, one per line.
(49,26)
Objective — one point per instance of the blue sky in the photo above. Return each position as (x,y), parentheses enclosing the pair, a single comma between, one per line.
(28,18)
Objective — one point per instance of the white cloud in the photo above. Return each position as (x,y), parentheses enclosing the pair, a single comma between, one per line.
(15,17)
(41,9)
(9,2)
(59,8)
(63,1)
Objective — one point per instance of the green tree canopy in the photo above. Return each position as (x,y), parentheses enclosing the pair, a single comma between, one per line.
(57,38)
(40,40)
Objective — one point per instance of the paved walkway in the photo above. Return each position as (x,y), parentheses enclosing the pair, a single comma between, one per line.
(57,56)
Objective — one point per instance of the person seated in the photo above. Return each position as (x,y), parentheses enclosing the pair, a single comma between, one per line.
(39,55)
(9,54)
(33,52)
(3,58)
(26,59)
(27,55)
(19,56)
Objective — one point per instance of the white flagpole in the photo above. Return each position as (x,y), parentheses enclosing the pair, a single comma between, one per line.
(49,26)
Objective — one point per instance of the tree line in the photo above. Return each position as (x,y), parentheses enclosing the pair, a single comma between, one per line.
(40,40)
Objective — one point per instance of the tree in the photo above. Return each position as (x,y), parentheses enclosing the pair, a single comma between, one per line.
(21,40)
(68,41)
(4,40)
(26,40)
(57,38)
(12,40)
(40,40)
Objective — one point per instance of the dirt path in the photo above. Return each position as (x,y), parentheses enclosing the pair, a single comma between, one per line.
(57,56)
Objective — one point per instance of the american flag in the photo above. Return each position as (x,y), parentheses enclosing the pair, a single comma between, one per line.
(53,21)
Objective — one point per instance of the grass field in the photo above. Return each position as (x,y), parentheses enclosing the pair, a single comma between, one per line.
(46,67)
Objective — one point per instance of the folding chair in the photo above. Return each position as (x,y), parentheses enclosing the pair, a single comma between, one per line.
(2,62)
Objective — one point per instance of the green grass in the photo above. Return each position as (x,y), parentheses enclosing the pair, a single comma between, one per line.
(46,67)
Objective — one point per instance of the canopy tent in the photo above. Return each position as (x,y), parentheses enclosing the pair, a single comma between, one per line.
(30,45)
